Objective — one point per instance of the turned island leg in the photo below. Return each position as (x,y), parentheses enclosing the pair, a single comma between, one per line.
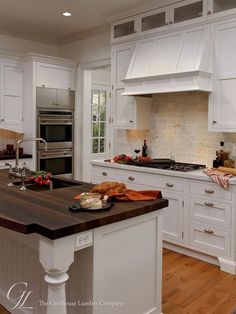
(56,256)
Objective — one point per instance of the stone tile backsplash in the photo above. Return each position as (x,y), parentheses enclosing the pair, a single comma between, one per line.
(178,127)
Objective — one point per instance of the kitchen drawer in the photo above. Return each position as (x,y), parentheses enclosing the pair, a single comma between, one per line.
(209,189)
(105,173)
(213,212)
(206,238)
(152,180)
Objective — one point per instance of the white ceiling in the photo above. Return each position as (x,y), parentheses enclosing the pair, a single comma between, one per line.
(42,19)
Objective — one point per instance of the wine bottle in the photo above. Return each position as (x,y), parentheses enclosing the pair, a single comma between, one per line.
(144,149)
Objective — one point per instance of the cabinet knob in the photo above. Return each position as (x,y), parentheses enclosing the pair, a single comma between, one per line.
(54,104)
(214,121)
(2,119)
(209,231)
(209,12)
(131,121)
(131,178)
(166,23)
(104,173)
(210,204)
(170,185)
(43,85)
(171,22)
(209,191)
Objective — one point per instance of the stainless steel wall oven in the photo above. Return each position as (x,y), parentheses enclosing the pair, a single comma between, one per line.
(56,161)
(56,127)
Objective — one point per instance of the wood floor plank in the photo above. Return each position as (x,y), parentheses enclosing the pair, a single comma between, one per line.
(191,286)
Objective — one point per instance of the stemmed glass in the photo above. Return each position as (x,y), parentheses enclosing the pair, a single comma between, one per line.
(137,151)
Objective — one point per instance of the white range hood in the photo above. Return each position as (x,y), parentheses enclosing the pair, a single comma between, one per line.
(174,62)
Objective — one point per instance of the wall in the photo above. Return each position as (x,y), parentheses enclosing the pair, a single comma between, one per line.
(88,49)
(179,127)
(22,46)
(8,137)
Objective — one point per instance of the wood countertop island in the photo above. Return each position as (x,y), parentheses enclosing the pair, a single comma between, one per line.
(118,252)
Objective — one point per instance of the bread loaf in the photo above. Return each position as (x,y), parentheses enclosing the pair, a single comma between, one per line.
(109,188)
(228,170)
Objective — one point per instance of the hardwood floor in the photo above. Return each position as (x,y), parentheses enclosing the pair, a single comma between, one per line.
(196,287)
(191,286)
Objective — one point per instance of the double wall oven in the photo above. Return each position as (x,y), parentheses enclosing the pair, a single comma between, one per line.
(55,125)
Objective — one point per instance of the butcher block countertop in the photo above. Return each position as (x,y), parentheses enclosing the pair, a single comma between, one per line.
(46,212)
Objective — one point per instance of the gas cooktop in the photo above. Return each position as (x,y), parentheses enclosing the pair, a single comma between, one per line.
(169,164)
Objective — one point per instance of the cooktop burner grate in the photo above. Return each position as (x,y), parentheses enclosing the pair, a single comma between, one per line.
(176,166)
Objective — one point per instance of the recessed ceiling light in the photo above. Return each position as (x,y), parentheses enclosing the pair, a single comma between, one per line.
(66,13)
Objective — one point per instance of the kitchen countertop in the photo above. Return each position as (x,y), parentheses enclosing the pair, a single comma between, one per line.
(12,157)
(47,214)
(195,174)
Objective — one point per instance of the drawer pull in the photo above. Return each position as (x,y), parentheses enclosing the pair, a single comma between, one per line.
(209,191)
(131,178)
(104,173)
(210,204)
(170,185)
(209,231)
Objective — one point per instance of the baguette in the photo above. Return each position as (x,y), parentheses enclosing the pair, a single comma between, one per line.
(228,170)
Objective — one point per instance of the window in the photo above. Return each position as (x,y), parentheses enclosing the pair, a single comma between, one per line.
(99,114)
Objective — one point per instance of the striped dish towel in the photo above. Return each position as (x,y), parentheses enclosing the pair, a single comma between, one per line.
(221,178)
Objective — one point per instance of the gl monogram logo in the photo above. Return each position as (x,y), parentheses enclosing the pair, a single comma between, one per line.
(18,294)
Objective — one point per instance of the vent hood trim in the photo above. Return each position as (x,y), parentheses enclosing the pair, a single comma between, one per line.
(172,62)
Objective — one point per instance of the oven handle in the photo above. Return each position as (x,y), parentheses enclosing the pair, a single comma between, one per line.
(56,121)
(55,155)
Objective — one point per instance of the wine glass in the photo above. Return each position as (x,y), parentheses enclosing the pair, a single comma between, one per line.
(137,151)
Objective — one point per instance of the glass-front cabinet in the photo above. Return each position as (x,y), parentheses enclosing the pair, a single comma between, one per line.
(188,12)
(126,28)
(156,20)
(218,8)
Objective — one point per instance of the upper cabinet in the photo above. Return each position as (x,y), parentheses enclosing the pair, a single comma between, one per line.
(55,76)
(221,8)
(127,111)
(163,19)
(222,109)
(188,12)
(11,96)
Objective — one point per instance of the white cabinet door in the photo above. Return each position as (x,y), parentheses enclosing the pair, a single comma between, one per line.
(124,29)
(123,110)
(123,107)
(154,21)
(55,76)
(221,8)
(188,12)
(11,95)
(222,116)
(173,218)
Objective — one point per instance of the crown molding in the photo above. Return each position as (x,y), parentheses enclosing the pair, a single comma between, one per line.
(47,58)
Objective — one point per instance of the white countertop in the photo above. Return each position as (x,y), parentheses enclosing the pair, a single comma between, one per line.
(195,174)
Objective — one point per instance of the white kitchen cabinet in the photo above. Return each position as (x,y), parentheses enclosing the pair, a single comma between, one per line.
(55,76)
(170,188)
(179,14)
(188,12)
(221,8)
(11,96)
(200,218)
(222,109)
(124,29)
(128,111)
(209,218)
(23,162)
(123,107)
(155,21)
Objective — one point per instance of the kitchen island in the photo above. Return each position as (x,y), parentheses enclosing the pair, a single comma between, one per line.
(113,259)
